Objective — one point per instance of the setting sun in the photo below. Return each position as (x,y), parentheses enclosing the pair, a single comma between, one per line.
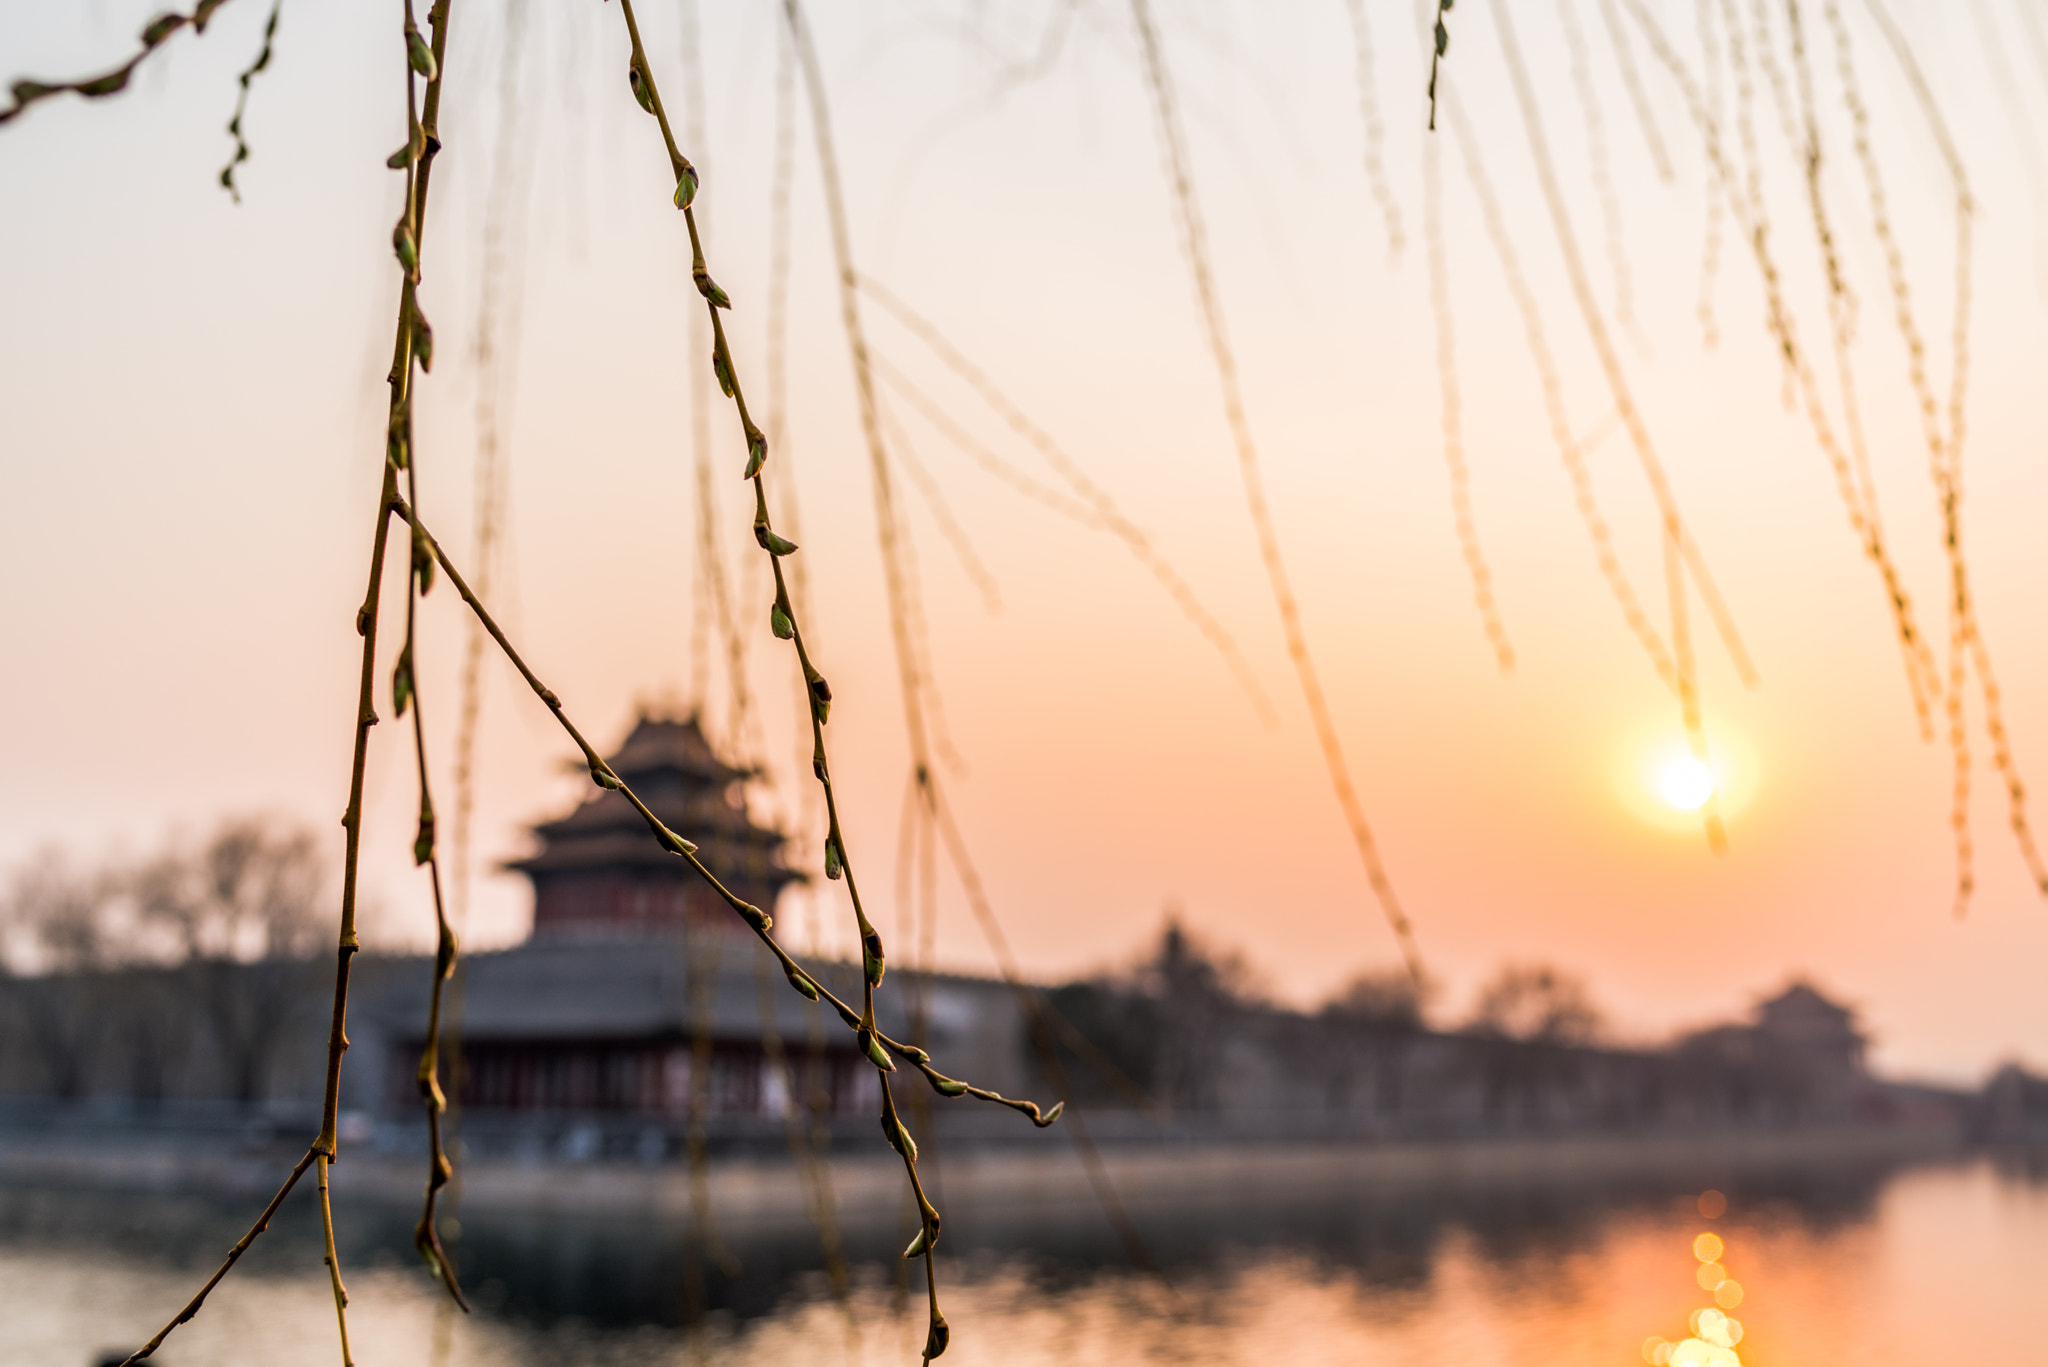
(1686,784)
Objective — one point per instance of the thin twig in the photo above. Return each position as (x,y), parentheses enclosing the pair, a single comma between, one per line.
(1195,245)
(234,1255)
(227,172)
(155,33)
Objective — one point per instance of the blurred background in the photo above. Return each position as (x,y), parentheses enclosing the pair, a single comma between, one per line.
(193,413)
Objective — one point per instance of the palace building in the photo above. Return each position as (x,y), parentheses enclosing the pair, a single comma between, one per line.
(640,997)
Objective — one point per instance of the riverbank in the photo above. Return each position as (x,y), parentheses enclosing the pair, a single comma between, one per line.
(1010,1187)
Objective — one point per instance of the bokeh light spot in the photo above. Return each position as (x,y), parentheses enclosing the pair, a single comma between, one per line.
(1728,1295)
(1713,1205)
(1712,1275)
(1707,1248)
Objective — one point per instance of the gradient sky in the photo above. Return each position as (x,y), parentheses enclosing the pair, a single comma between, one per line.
(191,415)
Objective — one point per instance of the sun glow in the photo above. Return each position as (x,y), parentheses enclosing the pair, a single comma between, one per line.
(1686,783)
(1663,783)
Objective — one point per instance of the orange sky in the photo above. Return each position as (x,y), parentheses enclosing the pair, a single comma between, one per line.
(192,419)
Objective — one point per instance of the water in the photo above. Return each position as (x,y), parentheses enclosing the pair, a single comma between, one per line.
(1912,1267)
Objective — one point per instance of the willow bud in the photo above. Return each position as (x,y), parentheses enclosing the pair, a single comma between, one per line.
(160,28)
(708,287)
(113,83)
(422,339)
(401,682)
(420,55)
(770,542)
(721,366)
(423,565)
(423,843)
(639,84)
(871,960)
(899,1138)
(686,186)
(672,842)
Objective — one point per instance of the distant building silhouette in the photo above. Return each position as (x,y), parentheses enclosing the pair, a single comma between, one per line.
(598,876)
(598,1014)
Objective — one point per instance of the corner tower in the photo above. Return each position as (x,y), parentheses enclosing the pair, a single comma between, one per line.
(599,876)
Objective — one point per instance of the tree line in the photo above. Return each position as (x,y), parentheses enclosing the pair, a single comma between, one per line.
(198,956)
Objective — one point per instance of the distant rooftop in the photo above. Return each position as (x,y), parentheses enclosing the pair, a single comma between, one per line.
(599,869)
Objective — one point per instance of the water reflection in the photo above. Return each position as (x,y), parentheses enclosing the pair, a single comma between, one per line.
(1940,1264)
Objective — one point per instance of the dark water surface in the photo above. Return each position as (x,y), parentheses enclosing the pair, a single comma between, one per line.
(1931,1265)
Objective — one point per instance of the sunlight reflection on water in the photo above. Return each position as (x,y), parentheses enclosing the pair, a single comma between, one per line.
(1944,1265)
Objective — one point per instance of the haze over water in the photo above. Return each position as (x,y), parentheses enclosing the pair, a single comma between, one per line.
(1938,1264)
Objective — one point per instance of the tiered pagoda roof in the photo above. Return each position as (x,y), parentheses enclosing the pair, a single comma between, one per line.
(673,769)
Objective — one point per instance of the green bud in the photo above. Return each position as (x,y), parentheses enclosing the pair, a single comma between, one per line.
(420,55)
(113,83)
(757,451)
(804,986)
(721,366)
(835,862)
(423,564)
(877,1055)
(639,84)
(1443,38)
(1058,1109)
(28,92)
(673,843)
(770,542)
(899,1138)
(920,1244)
(422,339)
(708,287)
(398,439)
(946,1086)
(601,774)
(935,1342)
(779,623)
(401,682)
(415,146)
(871,960)
(423,843)
(407,249)
(161,27)
(686,186)
(821,697)
(754,916)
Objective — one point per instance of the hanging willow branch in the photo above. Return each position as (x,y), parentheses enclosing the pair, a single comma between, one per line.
(155,34)
(227,172)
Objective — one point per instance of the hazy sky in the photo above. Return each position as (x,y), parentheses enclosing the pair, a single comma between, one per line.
(191,414)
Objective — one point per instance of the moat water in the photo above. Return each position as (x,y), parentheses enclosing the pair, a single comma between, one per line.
(1936,1265)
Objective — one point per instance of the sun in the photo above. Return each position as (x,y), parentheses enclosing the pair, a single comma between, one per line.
(1661,781)
(1686,783)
